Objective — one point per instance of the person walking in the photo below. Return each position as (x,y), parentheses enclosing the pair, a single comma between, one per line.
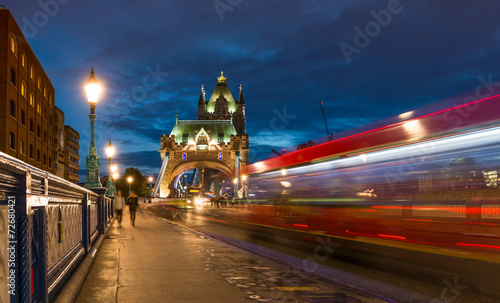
(119,205)
(133,203)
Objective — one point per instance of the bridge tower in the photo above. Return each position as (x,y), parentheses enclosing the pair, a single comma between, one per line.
(216,143)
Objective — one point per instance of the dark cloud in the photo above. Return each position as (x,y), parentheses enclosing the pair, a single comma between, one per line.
(286,55)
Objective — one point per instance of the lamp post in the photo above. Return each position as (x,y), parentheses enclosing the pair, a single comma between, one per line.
(235,181)
(93,166)
(244,178)
(130,179)
(150,184)
(110,185)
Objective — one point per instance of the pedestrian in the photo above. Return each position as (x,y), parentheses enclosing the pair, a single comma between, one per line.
(133,203)
(119,205)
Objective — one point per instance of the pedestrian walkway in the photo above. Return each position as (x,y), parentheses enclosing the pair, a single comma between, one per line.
(152,262)
(159,261)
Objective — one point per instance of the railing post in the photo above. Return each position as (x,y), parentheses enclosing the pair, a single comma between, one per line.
(39,249)
(86,222)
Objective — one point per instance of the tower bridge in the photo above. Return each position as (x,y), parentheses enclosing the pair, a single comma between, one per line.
(216,144)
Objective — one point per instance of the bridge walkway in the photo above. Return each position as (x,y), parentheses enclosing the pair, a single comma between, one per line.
(154,262)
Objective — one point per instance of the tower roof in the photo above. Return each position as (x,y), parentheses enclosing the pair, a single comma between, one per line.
(202,97)
(221,89)
(240,98)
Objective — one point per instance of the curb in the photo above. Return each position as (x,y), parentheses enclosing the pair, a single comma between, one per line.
(71,288)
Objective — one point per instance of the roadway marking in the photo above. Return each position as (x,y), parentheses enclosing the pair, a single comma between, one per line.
(454,251)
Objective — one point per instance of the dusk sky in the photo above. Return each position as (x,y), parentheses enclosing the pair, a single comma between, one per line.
(367,60)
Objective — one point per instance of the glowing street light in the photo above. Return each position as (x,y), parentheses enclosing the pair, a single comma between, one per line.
(244,179)
(129,180)
(93,166)
(150,184)
(110,151)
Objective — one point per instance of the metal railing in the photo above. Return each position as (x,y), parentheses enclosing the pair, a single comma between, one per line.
(47,225)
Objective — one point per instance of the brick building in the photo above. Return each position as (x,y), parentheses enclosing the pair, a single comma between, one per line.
(28,114)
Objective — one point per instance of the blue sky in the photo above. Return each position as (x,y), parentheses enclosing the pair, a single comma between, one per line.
(367,60)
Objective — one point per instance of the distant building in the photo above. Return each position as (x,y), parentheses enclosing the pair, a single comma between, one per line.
(71,138)
(28,115)
(59,143)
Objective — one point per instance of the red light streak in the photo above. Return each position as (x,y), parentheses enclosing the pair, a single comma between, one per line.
(423,220)
(391,236)
(479,245)
(301,225)
(479,223)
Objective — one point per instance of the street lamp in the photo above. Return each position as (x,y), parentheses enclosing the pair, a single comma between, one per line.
(110,185)
(93,166)
(235,181)
(130,179)
(150,184)
(244,178)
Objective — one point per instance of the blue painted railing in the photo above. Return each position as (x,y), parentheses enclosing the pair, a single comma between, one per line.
(47,225)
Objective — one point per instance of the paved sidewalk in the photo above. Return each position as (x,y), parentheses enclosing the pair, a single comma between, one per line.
(152,262)
(159,261)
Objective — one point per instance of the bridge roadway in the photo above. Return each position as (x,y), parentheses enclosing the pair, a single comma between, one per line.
(160,261)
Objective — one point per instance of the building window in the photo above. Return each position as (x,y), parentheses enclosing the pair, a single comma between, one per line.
(23,118)
(23,60)
(38,155)
(184,156)
(50,161)
(21,146)
(38,107)
(45,136)
(32,99)
(12,140)
(12,76)
(44,160)
(13,46)
(12,109)
(38,131)
(32,73)
(31,151)
(23,89)
(39,83)
(51,99)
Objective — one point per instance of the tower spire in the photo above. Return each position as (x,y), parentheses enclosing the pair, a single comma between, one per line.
(221,78)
